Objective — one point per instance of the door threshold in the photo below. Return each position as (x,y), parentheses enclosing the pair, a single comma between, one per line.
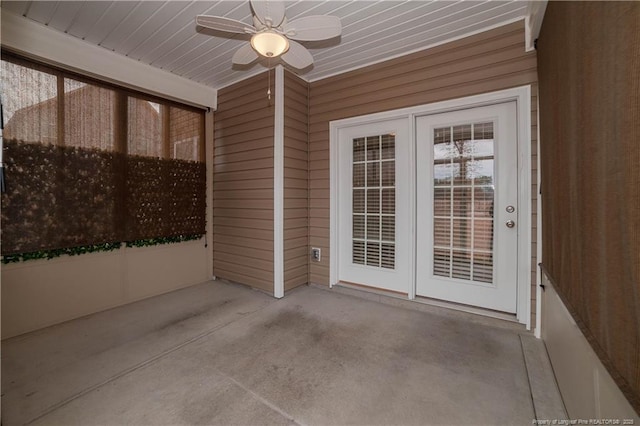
(505,316)
(424,304)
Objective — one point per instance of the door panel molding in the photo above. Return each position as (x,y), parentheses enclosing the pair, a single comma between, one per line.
(522,96)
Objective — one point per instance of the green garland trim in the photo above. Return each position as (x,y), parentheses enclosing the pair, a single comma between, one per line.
(75,251)
(162,240)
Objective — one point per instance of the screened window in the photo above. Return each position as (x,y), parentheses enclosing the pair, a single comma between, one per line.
(89,115)
(30,104)
(185,134)
(144,128)
(68,182)
(38,100)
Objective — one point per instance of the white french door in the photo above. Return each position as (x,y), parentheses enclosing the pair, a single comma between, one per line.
(373,198)
(466,204)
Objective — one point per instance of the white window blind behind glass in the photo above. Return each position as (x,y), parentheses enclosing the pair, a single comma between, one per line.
(463,202)
(374,199)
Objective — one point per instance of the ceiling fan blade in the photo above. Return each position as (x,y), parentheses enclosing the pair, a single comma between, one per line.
(297,56)
(269,12)
(224,24)
(245,55)
(313,28)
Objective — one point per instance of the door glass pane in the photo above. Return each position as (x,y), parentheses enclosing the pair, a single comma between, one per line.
(374,201)
(358,175)
(463,202)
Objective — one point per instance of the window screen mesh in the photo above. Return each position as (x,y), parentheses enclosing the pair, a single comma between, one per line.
(69,179)
(185,134)
(144,128)
(88,115)
(30,104)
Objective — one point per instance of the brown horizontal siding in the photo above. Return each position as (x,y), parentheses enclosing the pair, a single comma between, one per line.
(446,53)
(239,222)
(243,242)
(294,213)
(296,182)
(243,184)
(239,175)
(485,62)
(295,173)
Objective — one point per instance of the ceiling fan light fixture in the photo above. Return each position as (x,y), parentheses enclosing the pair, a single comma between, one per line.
(269,43)
(273,36)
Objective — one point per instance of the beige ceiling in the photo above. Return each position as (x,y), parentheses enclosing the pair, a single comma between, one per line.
(163,33)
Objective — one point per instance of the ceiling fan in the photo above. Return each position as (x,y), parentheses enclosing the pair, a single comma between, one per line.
(272,35)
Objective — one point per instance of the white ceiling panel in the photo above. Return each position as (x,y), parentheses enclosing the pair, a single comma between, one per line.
(163,33)
(195,40)
(112,20)
(42,11)
(369,10)
(17,7)
(398,28)
(86,17)
(307,8)
(179,32)
(134,19)
(64,14)
(181,20)
(146,30)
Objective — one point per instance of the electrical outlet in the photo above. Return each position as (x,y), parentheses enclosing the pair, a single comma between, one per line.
(316,254)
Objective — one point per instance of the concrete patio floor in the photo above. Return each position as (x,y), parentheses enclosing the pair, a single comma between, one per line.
(220,353)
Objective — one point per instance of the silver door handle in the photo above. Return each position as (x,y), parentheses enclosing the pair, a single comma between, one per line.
(510,224)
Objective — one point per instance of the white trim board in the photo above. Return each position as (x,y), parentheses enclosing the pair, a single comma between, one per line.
(533,22)
(522,97)
(36,41)
(278,186)
(538,328)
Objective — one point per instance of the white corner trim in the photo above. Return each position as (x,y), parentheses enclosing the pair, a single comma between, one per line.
(334,232)
(533,22)
(523,101)
(209,159)
(538,329)
(413,207)
(278,186)
(37,41)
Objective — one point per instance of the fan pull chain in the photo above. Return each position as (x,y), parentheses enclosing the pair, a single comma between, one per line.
(269,83)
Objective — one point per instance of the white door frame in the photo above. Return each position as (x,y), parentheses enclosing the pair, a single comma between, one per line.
(522,96)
